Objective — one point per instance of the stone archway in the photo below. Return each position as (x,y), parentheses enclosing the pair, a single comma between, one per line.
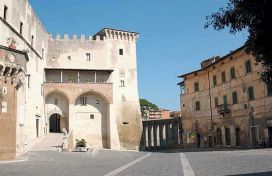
(91,119)
(57,112)
(57,123)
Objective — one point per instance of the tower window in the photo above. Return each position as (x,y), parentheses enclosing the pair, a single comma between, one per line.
(21,28)
(97,102)
(32,40)
(5,12)
(88,55)
(121,52)
(42,53)
(122,83)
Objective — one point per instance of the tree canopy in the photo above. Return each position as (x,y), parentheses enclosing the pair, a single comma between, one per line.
(255,16)
(147,104)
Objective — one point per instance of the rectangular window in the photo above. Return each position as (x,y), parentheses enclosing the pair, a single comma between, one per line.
(83,101)
(223,74)
(250,92)
(88,56)
(121,52)
(269,88)
(56,102)
(225,99)
(197,106)
(248,66)
(232,73)
(216,101)
(42,53)
(196,85)
(234,98)
(32,40)
(214,80)
(5,12)
(91,116)
(122,72)
(122,83)
(21,28)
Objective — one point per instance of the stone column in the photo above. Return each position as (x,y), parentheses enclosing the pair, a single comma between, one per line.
(161,134)
(155,135)
(175,133)
(180,134)
(152,135)
(167,126)
(232,135)
(144,136)
(223,130)
(149,135)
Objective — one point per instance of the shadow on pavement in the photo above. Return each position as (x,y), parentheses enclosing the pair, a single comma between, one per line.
(268,173)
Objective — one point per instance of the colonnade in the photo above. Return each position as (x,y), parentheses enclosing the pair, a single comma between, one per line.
(162,134)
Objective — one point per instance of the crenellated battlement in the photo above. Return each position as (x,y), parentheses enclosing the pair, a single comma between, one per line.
(104,34)
(67,37)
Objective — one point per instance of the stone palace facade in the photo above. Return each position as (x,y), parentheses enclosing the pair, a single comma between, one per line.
(84,85)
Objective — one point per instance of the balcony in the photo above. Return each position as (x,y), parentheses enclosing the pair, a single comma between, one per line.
(78,76)
(223,109)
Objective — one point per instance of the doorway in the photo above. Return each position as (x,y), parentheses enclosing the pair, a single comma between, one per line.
(270,136)
(227,136)
(237,133)
(54,123)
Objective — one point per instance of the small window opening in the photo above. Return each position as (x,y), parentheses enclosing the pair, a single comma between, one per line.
(88,56)
(21,28)
(121,52)
(5,12)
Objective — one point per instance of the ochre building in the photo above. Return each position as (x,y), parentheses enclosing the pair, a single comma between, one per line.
(225,104)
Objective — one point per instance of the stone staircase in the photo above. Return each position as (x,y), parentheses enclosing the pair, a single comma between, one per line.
(51,142)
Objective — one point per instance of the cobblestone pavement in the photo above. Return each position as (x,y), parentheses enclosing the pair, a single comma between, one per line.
(165,163)
(243,162)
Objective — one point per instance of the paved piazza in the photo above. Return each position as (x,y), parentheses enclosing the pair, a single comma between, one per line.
(110,163)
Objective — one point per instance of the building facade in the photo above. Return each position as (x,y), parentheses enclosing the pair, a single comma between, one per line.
(86,86)
(225,104)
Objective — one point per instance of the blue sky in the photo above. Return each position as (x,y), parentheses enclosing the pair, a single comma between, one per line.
(172,40)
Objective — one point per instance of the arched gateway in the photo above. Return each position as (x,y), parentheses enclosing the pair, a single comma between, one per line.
(57,107)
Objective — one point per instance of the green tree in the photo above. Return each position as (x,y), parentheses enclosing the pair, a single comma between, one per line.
(255,16)
(145,103)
